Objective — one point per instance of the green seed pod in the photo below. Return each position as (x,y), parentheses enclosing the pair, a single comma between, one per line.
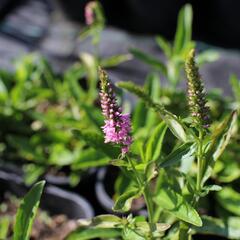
(196,93)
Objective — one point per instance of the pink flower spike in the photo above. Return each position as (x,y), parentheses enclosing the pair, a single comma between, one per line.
(117,126)
(89,13)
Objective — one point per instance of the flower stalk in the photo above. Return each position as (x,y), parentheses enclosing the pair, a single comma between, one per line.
(196,97)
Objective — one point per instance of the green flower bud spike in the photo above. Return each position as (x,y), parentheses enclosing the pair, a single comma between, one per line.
(196,93)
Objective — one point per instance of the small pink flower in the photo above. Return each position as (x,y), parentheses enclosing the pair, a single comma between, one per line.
(117,126)
(89,13)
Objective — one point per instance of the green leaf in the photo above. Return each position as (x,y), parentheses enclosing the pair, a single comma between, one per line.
(124,202)
(207,56)
(235,83)
(115,60)
(164,45)
(96,141)
(32,172)
(137,120)
(219,140)
(152,88)
(227,168)
(4,226)
(71,77)
(146,227)
(182,153)
(154,144)
(229,199)
(102,221)
(3,91)
(89,158)
(119,163)
(60,155)
(27,212)
(207,189)
(213,188)
(92,233)
(129,233)
(175,125)
(90,63)
(148,59)
(174,203)
(228,228)
(123,183)
(226,135)
(93,114)
(183,34)
(141,230)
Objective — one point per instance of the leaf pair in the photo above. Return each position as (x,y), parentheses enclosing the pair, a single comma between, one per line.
(109,226)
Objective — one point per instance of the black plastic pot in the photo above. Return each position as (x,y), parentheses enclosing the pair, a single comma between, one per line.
(57,180)
(54,199)
(103,196)
(104,190)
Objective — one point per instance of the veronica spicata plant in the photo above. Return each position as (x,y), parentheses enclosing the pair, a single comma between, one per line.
(171,183)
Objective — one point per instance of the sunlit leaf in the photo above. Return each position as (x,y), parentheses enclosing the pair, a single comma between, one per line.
(174,203)
(115,60)
(154,144)
(220,139)
(228,228)
(84,233)
(229,199)
(184,29)
(27,212)
(182,153)
(124,202)
(148,59)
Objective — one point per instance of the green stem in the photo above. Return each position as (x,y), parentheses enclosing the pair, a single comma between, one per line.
(139,180)
(146,194)
(200,161)
(184,232)
(147,197)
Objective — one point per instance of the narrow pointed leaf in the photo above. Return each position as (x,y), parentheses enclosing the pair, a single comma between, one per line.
(229,199)
(148,59)
(182,153)
(184,29)
(154,144)
(96,141)
(174,124)
(124,202)
(27,212)
(93,233)
(174,203)
(228,228)
(115,60)
(220,139)
(164,45)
